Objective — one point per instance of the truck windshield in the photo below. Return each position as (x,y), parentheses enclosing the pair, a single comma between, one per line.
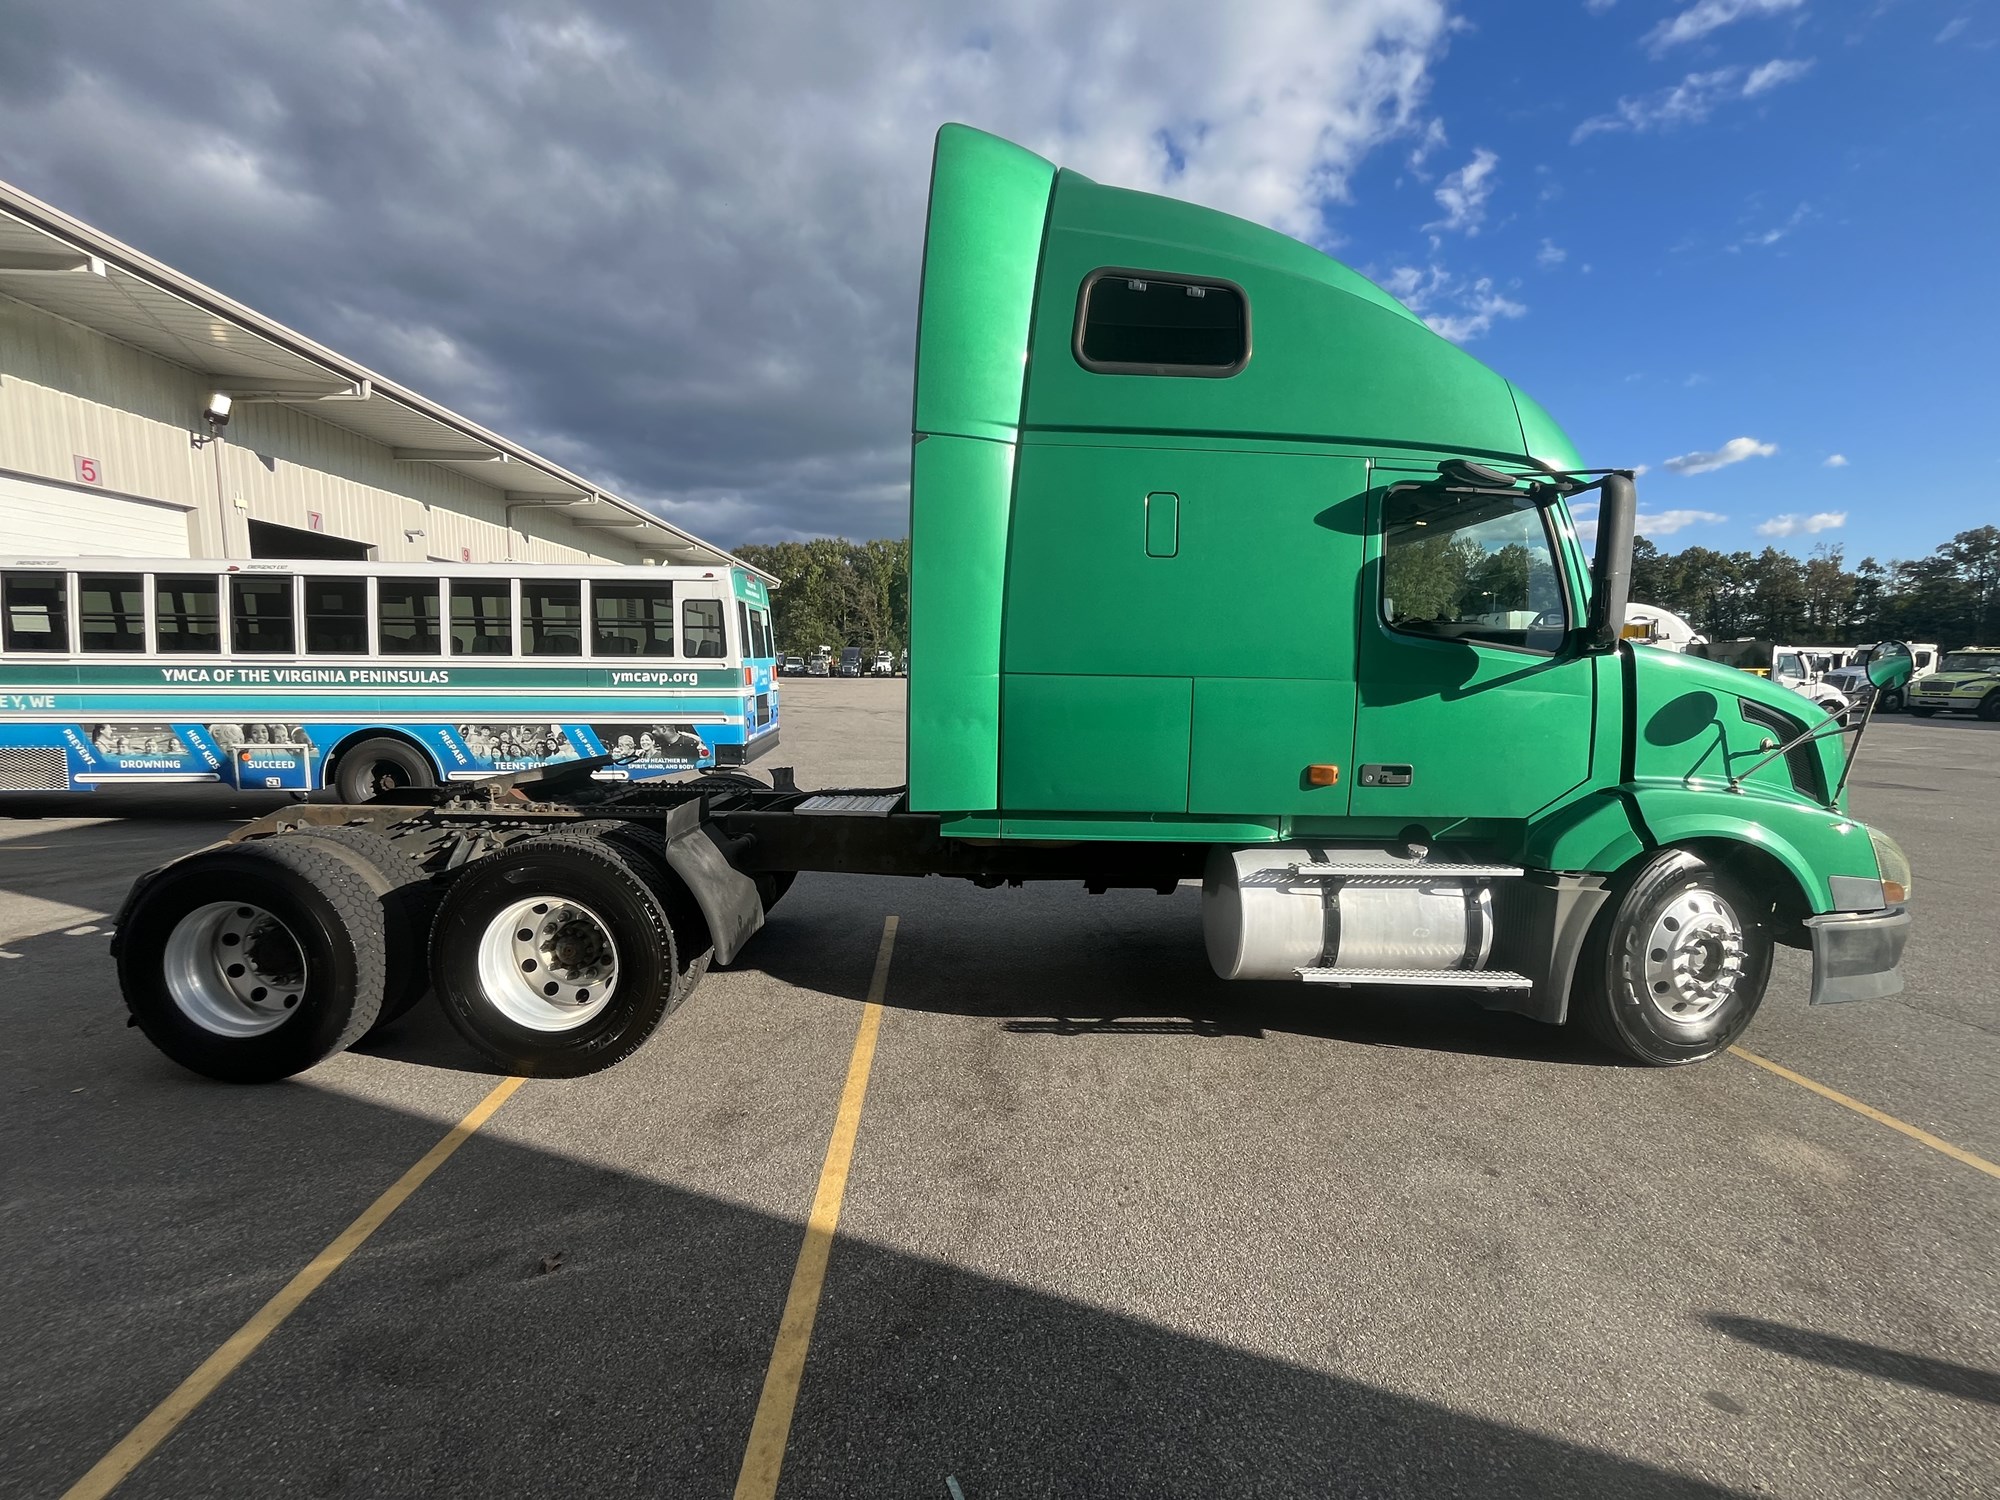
(1971,661)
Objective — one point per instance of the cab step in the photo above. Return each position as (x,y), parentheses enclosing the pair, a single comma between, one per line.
(1401,870)
(1451,979)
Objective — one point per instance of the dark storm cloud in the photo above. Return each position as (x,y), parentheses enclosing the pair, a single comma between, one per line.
(673,247)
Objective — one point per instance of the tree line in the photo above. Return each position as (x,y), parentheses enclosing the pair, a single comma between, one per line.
(837,593)
(840,593)
(1951,597)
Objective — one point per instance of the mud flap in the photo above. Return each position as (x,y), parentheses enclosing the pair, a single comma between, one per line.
(727,897)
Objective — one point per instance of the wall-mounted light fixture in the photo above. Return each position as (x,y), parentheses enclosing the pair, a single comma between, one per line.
(216,413)
(413,533)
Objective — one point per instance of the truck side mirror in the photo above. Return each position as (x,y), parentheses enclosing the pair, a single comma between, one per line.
(1611,575)
(1891,665)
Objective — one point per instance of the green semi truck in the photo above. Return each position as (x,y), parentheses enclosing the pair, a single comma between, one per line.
(1225,568)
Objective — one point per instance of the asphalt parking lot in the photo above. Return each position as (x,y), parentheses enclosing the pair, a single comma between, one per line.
(1110,1227)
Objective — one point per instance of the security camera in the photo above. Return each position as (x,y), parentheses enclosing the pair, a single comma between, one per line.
(413,533)
(217,410)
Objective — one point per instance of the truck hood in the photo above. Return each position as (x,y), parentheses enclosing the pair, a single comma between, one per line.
(1694,672)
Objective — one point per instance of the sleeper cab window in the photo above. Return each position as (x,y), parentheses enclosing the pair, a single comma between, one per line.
(1140,323)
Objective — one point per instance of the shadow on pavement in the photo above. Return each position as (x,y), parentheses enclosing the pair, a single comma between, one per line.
(1966,1382)
(152,1213)
(1051,960)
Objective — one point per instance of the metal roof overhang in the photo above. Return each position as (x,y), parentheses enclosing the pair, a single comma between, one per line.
(63,266)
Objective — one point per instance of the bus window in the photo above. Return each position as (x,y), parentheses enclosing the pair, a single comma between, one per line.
(189,613)
(111,611)
(551,618)
(407,610)
(633,619)
(760,631)
(37,611)
(337,616)
(482,617)
(743,636)
(701,627)
(260,612)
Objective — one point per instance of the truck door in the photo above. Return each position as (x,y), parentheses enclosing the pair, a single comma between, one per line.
(1472,701)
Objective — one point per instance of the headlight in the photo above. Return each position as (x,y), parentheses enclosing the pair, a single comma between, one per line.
(1894,865)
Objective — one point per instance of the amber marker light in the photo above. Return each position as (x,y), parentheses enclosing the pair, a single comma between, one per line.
(1322,775)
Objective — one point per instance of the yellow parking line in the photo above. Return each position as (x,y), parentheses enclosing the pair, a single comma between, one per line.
(160,1423)
(1936,1143)
(772,1426)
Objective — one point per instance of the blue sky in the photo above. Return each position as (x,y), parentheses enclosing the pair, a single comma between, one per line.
(676,246)
(1806,267)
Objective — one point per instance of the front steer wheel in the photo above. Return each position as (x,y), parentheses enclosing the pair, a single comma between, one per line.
(554,957)
(1674,970)
(251,962)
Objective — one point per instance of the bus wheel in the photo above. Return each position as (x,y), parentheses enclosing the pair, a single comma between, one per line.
(408,897)
(372,767)
(554,957)
(252,962)
(1891,702)
(1675,969)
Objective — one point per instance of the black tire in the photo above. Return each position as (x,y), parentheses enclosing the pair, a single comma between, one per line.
(1989,707)
(647,848)
(1689,910)
(365,770)
(409,898)
(617,902)
(1922,713)
(324,909)
(1891,701)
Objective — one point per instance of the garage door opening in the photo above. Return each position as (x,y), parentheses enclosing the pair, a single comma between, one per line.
(267,540)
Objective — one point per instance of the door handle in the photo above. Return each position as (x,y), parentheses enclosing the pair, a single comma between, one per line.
(1384,775)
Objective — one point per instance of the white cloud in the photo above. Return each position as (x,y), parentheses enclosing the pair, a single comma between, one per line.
(1459,309)
(1771,236)
(711,304)
(1699,19)
(1692,100)
(1667,522)
(1952,28)
(1732,452)
(1598,7)
(1463,194)
(1639,471)
(1770,75)
(1550,255)
(1432,138)
(1795,525)
(1835,461)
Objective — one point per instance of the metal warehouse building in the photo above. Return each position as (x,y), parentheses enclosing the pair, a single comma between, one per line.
(114,370)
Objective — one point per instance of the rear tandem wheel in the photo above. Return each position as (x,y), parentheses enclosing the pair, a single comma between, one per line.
(251,962)
(554,957)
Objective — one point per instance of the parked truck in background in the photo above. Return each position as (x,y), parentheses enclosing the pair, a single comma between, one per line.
(1225,568)
(1655,625)
(1852,679)
(1967,681)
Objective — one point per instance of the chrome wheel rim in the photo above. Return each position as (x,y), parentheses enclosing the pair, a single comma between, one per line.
(234,969)
(1692,960)
(548,963)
